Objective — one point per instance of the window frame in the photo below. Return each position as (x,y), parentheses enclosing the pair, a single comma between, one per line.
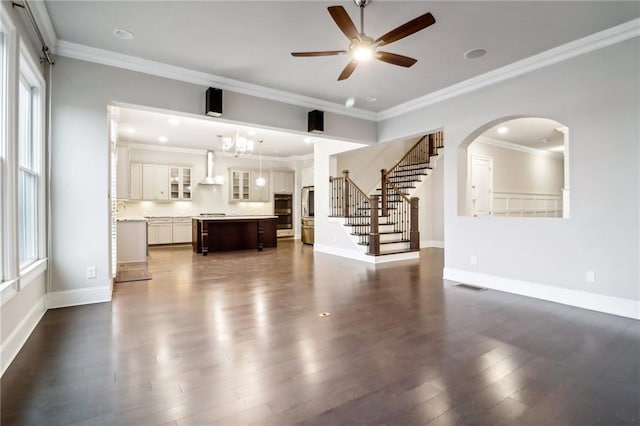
(3,142)
(29,72)
(9,273)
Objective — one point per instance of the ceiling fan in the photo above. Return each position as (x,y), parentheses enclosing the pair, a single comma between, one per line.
(363,47)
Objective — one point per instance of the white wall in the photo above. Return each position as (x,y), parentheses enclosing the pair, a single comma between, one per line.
(431,207)
(596,96)
(522,172)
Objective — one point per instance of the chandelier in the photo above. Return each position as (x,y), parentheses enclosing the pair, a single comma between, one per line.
(237,144)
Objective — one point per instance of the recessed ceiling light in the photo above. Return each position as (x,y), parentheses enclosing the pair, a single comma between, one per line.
(503,129)
(174,121)
(371,99)
(163,139)
(475,53)
(123,34)
(350,101)
(251,132)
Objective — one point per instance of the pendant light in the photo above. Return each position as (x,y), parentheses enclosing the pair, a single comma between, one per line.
(260,181)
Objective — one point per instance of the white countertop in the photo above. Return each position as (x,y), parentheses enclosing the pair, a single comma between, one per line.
(132,219)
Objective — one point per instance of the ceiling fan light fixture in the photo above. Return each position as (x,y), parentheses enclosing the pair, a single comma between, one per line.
(362,53)
(363,47)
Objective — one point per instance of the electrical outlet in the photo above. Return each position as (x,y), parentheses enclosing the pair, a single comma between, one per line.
(91,272)
(474,259)
(591,277)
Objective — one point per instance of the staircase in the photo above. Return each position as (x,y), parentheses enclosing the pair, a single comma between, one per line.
(386,221)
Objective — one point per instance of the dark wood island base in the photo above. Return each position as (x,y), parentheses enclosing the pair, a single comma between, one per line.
(233,233)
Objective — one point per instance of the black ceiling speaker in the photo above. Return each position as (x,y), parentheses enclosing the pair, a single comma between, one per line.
(315,122)
(214,102)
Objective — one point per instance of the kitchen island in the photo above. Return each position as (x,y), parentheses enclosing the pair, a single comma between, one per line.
(227,233)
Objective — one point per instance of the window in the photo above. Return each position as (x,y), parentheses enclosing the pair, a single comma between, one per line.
(22,169)
(28,175)
(30,224)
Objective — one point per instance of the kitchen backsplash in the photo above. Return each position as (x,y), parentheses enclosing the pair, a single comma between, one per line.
(189,208)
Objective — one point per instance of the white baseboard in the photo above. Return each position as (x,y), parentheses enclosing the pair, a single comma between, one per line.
(350,254)
(596,302)
(431,243)
(18,337)
(85,296)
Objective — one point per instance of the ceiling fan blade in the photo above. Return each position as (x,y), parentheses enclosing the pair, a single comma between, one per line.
(344,22)
(406,29)
(321,53)
(395,59)
(348,70)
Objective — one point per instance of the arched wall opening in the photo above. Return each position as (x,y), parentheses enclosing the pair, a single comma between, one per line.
(515,166)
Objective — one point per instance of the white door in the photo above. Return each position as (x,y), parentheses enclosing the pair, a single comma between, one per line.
(481,185)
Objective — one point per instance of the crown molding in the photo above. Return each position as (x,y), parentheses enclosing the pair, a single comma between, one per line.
(558,54)
(517,147)
(149,147)
(217,153)
(134,63)
(41,15)
(587,44)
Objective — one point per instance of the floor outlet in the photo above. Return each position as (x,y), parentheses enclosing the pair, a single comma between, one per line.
(91,272)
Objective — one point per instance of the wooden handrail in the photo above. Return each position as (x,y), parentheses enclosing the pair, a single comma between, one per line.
(406,154)
(404,197)
(355,186)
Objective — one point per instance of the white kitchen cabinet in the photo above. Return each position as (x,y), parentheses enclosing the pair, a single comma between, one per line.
(132,241)
(259,193)
(283,182)
(239,185)
(179,183)
(122,173)
(160,230)
(135,182)
(155,182)
(181,230)
(307,176)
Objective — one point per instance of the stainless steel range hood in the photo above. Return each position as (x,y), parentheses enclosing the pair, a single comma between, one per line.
(211,179)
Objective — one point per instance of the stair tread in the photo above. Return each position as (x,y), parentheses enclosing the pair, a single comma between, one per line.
(368,224)
(394,252)
(380,232)
(386,242)
(395,241)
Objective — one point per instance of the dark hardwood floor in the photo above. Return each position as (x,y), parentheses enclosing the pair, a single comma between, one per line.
(236,339)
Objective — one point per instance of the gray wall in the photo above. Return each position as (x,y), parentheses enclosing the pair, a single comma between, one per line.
(80,179)
(364,164)
(596,96)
